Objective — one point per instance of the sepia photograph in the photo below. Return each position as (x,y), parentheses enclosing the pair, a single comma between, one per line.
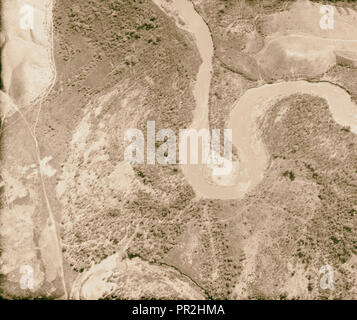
(184,151)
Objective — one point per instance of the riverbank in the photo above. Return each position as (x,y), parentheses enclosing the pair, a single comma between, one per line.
(249,171)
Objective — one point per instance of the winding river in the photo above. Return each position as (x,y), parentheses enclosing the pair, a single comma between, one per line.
(252,154)
(249,170)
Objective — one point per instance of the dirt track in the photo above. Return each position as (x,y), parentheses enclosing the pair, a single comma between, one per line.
(29,75)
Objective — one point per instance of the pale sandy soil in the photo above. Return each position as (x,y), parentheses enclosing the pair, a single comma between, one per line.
(296,45)
(132,279)
(20,88)
(27,54)
(125,278)
(116,271)
(28,74)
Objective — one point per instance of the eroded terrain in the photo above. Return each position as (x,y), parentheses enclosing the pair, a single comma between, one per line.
(92,226)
